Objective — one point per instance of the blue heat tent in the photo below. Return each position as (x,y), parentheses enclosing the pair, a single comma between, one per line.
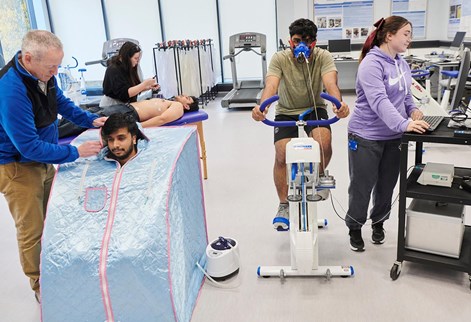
(121,243)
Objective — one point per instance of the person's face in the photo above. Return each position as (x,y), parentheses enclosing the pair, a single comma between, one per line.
(296,39)
(185,100)
(121,145)
(135,59)
(400,41)
(43,66)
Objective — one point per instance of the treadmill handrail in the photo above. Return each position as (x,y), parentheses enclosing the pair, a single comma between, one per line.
(101,61)
(240,51)
(275,98)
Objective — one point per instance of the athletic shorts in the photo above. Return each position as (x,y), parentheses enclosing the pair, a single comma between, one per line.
(120,108)
(292,131)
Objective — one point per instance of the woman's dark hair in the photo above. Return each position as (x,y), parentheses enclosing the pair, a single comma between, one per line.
(383,26)
(303,27)
(123,61)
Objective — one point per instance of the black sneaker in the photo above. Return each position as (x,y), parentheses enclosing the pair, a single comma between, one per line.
(377,237)
(356,242)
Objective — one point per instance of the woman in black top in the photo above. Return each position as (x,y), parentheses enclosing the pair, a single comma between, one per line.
(122,83)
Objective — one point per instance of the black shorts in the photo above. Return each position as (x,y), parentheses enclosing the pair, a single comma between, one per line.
(120,108)
(292,131)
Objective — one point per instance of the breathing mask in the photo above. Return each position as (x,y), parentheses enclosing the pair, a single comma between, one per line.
(302,51)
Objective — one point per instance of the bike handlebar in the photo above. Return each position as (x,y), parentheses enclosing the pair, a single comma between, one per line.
(274,98)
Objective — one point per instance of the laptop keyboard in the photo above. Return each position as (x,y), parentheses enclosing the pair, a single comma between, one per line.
(434,121)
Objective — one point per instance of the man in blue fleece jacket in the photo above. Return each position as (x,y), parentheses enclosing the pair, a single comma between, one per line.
(29,103)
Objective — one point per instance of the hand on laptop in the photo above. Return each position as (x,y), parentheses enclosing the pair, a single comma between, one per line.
(416,115)
(418,126)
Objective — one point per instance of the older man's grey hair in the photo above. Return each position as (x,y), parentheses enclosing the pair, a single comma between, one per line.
(37,42)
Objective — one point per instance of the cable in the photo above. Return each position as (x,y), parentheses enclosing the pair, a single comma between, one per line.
(362,224)
(347,215)
(309,87)
(217,284)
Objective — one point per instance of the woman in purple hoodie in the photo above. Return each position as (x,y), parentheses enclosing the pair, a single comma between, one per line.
(384,110)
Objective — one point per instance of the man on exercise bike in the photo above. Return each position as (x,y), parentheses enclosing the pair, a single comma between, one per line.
(298,74)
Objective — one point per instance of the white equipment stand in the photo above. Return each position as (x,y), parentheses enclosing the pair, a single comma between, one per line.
(303,158)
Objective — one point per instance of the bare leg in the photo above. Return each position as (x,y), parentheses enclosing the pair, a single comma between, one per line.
(279,169)
(323,136)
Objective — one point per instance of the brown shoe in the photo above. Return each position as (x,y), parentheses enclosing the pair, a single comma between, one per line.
(37,296)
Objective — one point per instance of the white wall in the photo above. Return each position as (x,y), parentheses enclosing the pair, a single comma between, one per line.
(189,19)
(80,25)
(247,16)
(142,25)
(437,19)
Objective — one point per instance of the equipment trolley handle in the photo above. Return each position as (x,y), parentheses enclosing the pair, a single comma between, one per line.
(274,98)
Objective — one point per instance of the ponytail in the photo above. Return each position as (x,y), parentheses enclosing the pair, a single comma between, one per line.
(370,41)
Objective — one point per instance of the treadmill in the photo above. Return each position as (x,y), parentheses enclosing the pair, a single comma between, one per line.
(111,48)
(245,93)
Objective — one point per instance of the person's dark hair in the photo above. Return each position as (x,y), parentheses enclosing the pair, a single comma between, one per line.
(123,60)
(118,121)
(195,105)
(303,27)
(383,26)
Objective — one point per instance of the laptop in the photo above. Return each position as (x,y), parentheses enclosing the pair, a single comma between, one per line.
(433,112)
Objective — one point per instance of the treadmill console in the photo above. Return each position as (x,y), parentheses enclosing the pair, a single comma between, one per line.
(247,40)
(112,47)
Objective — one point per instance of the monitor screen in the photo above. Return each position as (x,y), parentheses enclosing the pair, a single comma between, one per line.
(460,87)
(339,45)
(458,40)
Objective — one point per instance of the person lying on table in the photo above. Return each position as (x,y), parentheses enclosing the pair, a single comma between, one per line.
(155,111)
(152,112)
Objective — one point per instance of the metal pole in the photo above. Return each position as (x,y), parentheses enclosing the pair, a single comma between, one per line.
(105,20)
(220,42)
(162,30)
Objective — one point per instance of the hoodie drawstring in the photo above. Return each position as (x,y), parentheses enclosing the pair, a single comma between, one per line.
(400,74)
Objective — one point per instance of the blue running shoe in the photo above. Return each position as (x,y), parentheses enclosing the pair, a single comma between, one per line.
(281,221)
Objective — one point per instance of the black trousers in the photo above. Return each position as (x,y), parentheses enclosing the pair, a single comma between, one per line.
(374,171)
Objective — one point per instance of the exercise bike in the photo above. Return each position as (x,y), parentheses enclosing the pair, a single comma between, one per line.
(302,160)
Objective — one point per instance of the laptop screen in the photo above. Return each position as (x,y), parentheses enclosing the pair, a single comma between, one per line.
(458,40)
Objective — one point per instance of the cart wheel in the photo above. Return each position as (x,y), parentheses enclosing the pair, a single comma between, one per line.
(328,274)
(395,271)
(282,275)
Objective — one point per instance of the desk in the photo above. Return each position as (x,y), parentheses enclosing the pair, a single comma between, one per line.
(409,188)
(347,73)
